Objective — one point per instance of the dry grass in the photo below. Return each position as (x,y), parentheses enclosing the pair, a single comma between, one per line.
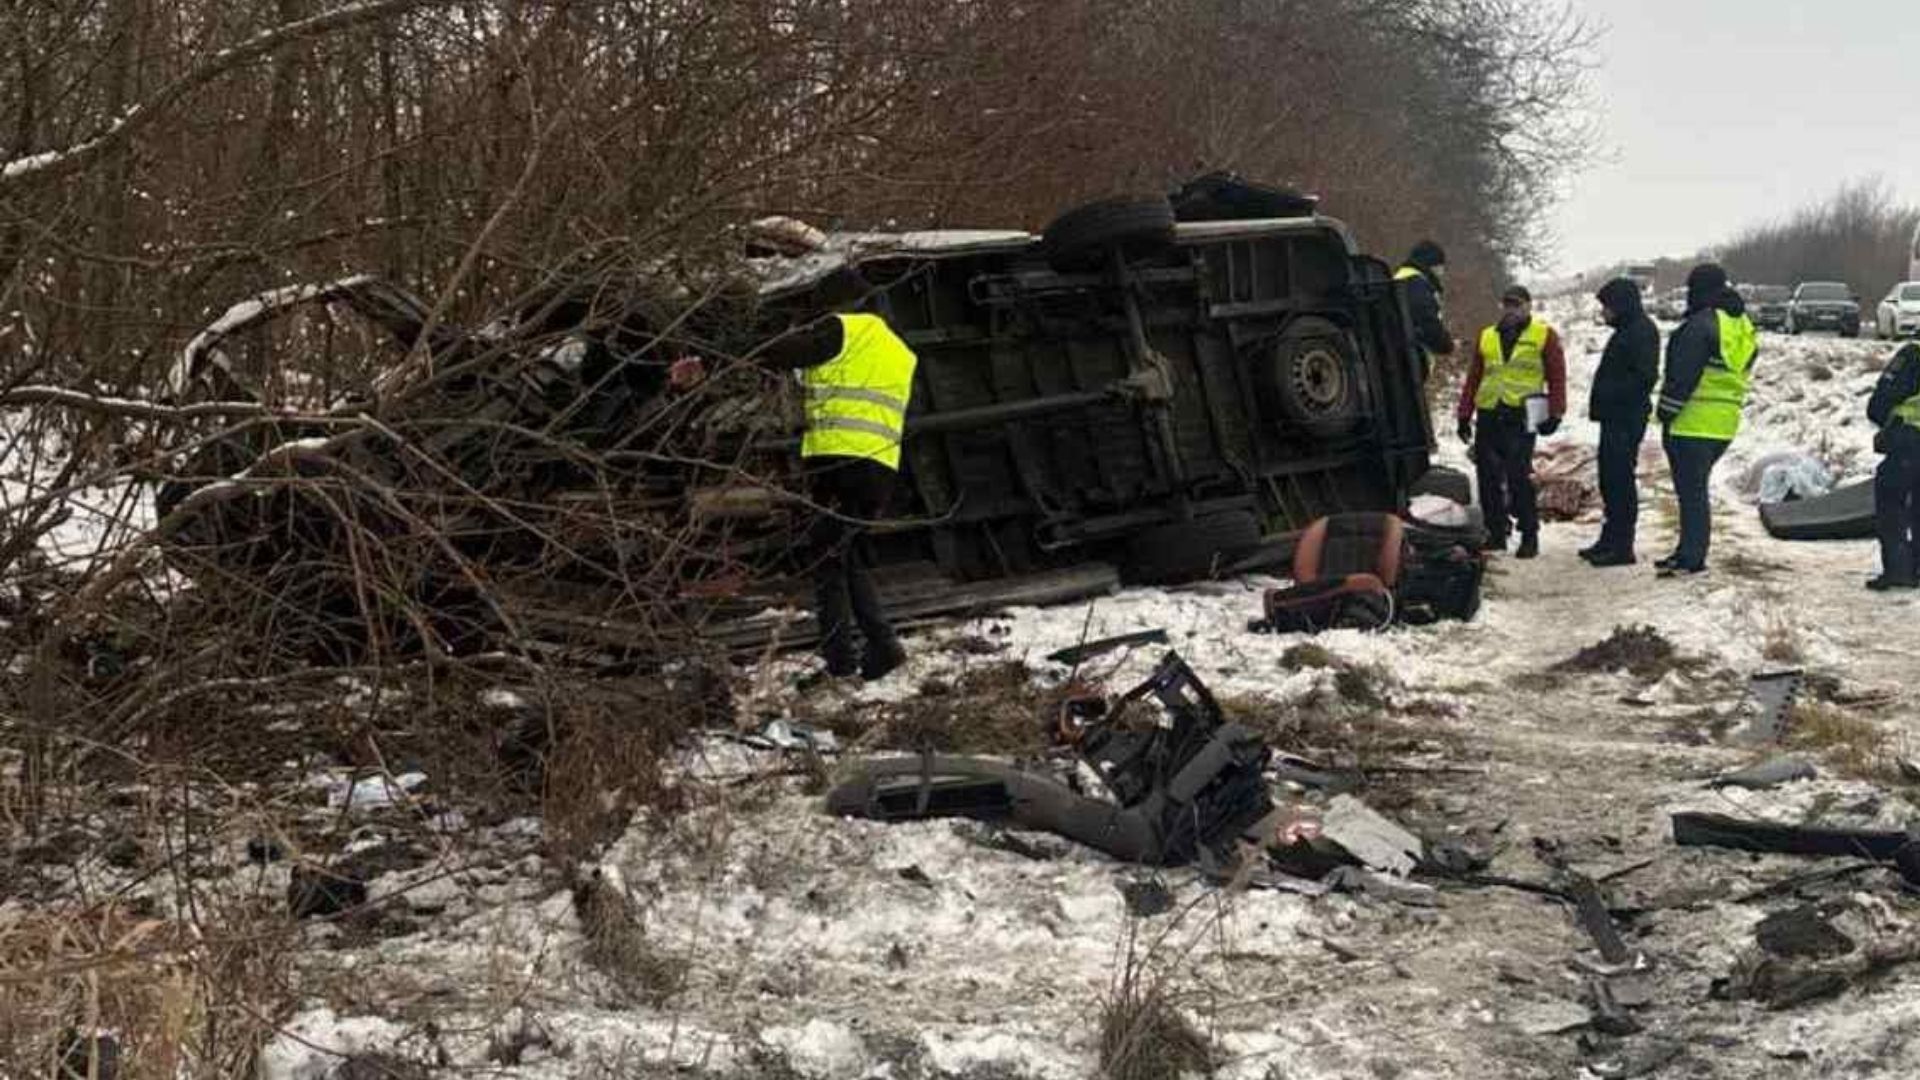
(995,708)
(177,1000)
(1740,564)
(1782,644)
(1144,1034)
(1851,744)
(618,946)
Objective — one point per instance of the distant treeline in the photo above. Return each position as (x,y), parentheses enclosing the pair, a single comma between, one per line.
(1859,235)
(161,158)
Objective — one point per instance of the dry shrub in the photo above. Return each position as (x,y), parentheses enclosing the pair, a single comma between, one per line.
(609,758)
(1640,650)
(996,708)
(1144,1035)
(1308,655)
(175,1000)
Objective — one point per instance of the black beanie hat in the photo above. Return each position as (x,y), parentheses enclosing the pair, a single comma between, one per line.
(1426,253)
(1706,279)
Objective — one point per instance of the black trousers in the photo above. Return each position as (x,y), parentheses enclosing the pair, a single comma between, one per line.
(1503,465)
(1691,460)
(848,493)
(1619,489)
(1896,511)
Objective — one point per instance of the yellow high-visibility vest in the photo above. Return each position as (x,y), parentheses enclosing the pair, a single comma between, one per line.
(857,401)
(1908,411)
(1713,412)
(1512,379)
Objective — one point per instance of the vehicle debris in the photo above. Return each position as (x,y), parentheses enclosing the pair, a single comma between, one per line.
(1845,513)
(1549,1018)
(1591,909)
(1075,655)
(1766,774)
(1370,839)
(1181,785)
(1612,1059)
(1774,693)
(1818,950)
(1192,782)
(1693,829)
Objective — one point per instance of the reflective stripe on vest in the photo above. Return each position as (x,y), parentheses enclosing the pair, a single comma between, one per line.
(1406,272)
(1908,411)
(1713,412)
(1512,379)
(857,401)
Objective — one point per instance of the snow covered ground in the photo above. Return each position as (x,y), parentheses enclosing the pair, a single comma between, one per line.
(775,941)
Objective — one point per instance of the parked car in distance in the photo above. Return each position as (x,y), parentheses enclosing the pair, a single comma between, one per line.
(1898,315)
(1767,306)
(1671,305)
(1824,305)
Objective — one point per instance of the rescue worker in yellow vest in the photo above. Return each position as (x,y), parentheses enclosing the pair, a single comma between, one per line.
(1423,275)
(1894,408)
(858,379)
(1702,390)
(1519,366)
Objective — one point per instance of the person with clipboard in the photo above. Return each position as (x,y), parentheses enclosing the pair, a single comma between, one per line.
(1515,391)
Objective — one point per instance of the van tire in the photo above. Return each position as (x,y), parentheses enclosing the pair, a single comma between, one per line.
(1312,378)
(1080,239)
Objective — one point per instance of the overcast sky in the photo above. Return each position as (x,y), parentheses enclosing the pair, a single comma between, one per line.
(1721,113)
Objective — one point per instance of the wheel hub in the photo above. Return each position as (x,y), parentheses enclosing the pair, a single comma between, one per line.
(1320,379)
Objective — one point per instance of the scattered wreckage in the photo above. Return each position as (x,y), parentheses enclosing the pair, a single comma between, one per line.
(1159,777)
(1154,387)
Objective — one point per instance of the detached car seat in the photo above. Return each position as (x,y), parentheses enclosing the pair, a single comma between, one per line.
(1345,570)
(1368,571)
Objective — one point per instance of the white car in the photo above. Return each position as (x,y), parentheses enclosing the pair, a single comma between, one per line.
(1899,314)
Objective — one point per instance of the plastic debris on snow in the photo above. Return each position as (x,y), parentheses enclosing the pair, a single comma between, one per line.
(371,792)
(1438,510)
(1789,475)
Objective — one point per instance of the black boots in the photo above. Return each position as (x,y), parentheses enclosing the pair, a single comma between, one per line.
(1529,546)
(882,657)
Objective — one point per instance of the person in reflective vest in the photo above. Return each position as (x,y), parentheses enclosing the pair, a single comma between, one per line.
(858,380)
(1519,365)
(1702,391)
(1894,408)
(1423,276)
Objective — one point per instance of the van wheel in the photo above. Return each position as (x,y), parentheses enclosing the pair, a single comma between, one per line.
(1081,238)
(1312,378)
(1184,550)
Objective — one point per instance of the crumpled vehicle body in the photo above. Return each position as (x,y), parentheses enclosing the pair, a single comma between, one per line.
(1126,387)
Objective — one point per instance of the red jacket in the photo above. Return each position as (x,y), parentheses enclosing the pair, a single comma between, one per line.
(1552,357)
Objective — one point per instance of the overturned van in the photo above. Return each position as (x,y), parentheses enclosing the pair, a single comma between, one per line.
(1153,385)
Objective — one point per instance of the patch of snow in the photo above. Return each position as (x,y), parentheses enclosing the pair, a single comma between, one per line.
(315,1042)
(374,792)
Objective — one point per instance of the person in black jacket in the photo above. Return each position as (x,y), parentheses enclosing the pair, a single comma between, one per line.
(1621,400)
(1423,275)
(1895,410)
